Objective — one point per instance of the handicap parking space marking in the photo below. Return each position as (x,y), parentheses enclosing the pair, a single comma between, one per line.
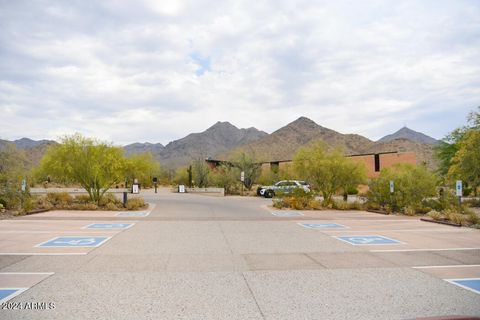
(471,284)
(323,225)
(132,214)
(368,240)
(74,242)
(109,226)
(286,213)
(9,293)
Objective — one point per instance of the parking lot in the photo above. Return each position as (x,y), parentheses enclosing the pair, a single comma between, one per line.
(201,257)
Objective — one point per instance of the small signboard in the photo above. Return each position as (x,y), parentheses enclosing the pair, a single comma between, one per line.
(392,186)
(24,184)
(242,176)
(135,188)
(181,188)
(458,188)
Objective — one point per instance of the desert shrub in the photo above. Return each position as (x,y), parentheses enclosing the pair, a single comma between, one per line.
(472,218)
(409,211)
(82,198)
(454,216)
(136,203)
(355,205)
(340,205)
(108,198)
(412,185)
(475,226)
(278,203)
(352,190)
(91,206)
(315,204)
(371,205)
(111,206)
(472,202)
(60,198)
(435,215)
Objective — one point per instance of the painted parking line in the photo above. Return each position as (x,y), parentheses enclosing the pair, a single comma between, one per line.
(367,240)
(109,226)
(9,293)
(286,214)
(471,284)
(74,242)
(322,225)
(132,214)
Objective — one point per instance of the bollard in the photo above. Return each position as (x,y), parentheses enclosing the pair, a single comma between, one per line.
(125,199)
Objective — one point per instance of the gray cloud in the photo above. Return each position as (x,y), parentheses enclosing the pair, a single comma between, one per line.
(158,70)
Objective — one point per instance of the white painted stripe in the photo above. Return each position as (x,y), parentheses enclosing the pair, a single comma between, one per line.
(412,250)
(47,273)
(401,230)
(449,266)
(41,253)
(64,231)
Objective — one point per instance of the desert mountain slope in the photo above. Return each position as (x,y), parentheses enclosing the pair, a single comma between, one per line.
(283,143)
(137,147)
(217,139)
(409,134)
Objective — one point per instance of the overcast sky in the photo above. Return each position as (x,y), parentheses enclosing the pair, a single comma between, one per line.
(158,70)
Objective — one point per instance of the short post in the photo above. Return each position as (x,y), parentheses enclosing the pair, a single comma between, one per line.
(458,189)
(155,181)
(125,200)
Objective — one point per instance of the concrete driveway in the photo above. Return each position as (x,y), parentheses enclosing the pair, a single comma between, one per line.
(202,257)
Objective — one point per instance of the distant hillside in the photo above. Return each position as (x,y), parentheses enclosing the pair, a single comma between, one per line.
(412,135)
(34,150)
(283,143)
(134,148)
(220,137)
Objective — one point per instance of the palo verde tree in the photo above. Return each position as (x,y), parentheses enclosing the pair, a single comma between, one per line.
(412,184)
(13,167)
(447,148)
(465,163)
(95,165)
(249,165)
(329,171)
(142,167)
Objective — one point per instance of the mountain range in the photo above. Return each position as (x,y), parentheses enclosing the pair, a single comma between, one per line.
(223,139)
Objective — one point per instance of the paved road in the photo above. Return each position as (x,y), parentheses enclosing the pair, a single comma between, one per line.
(203,257)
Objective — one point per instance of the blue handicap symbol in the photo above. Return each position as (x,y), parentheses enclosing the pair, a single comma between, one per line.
(131,214)
(70,241)
(368,240)
(109,226)
(322,225)
(6,293)
(470,284)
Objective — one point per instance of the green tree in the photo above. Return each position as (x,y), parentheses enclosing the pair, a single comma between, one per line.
(225,176)
(412,184)
(181,176)
(200,171)
(142,167)
(249,165)
(95,165)
(447,148)
(13,168)
(328,171)
(466,161)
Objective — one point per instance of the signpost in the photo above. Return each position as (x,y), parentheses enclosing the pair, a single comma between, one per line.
(155,181)
(458,189)
(242,178)
(392,186)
